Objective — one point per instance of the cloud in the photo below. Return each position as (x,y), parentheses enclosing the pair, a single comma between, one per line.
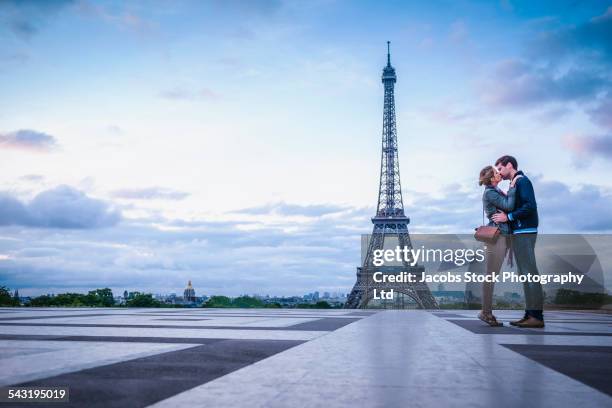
(563,71)
(15,58)
(220,258)
(553,114)
(458,32)
(33,178)
(585,208)
(287,256)
(61,207)
(231,62)
(590,39)
(586,147)
(150,193)
(570,64)
(29,140)
(259,8)
(24,18)
(120,17)
(602,114)
(281,208)
(517,84)
(114,130)
(183,94)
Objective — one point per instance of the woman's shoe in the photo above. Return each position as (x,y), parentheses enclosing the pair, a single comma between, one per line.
(490,320)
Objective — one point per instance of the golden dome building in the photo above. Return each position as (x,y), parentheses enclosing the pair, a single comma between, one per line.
(189,293)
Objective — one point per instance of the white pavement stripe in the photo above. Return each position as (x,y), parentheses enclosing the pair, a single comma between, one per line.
(161,332)
(23,360)
(396,358)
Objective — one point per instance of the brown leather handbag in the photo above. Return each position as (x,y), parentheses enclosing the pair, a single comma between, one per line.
(485,233)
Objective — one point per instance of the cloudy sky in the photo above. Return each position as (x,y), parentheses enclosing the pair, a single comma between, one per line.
(237,144)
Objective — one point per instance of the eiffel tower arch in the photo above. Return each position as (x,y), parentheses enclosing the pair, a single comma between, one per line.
(390,222)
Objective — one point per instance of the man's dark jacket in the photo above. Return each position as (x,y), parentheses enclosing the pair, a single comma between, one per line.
(525,214)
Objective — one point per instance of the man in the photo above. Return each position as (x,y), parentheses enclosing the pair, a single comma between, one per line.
(524,223)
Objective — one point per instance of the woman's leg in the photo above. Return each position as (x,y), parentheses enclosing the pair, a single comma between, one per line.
(495,254)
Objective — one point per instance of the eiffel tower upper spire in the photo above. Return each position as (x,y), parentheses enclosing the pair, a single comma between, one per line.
(388,71)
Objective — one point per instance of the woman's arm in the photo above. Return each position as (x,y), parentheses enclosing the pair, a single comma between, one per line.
(504,203)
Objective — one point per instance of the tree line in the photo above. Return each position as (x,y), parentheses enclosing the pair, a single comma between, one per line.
(104,298)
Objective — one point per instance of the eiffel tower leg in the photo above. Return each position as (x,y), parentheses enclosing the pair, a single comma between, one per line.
(358,298)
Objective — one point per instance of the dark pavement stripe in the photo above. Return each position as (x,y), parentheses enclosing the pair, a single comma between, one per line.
(204,315)
(591,365)
(248,315)
(55,316)
(363,313)
(325,324)
(447,314)
(144,381)
(478,327)
(115,339)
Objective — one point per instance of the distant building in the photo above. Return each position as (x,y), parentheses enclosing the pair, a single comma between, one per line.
(189,293)
(449,296)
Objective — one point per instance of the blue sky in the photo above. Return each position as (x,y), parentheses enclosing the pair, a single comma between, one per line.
(237,144)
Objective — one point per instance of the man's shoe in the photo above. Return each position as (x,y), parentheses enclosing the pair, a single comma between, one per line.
(517,322)
(531,323)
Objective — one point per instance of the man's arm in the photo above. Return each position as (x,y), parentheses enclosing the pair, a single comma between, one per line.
(525,191)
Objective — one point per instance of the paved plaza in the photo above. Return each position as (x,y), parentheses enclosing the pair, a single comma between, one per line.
(284,358)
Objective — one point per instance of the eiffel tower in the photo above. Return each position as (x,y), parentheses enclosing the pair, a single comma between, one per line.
(390,220)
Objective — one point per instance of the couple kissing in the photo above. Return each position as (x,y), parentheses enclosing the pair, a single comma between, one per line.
(515,215)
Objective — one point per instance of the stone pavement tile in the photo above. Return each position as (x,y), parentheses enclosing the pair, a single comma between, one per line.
(45,317)
(329,395)
(591,365)
(143,381)
(49,358)
(193,320)
(478,327)
(160,332)
(552,340)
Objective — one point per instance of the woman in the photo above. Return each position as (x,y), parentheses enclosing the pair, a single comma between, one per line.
(494,200)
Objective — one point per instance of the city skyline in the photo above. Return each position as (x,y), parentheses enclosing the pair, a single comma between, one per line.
(237,143)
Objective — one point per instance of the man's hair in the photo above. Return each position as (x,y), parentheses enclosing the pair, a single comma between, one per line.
(504,160)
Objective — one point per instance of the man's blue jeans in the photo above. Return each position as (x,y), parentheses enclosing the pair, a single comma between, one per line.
(523,246)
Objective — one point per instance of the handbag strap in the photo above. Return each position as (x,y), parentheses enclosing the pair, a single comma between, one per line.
(483,211)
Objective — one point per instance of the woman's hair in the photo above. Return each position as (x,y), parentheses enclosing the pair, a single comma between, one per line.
(486,175)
